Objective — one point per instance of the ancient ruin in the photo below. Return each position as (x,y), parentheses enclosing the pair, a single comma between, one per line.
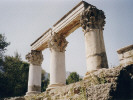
(83,15)
(92,21)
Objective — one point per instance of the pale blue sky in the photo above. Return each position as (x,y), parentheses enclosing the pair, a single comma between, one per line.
(23,21)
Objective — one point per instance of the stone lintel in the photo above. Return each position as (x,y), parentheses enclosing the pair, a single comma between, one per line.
(65,26)
(82,2)
(70,22)
(41,36)
(41,43)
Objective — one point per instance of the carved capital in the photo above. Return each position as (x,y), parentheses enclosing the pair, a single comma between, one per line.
(92,18)
(58,42)
(35,57)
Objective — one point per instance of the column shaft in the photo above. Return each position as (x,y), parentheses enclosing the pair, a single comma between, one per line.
(92,21)
(34,81)
(95,50)
(57,46)
(57,68)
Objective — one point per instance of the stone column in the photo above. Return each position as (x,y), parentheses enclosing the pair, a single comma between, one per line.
(57,45)
(92,21)
(35,59)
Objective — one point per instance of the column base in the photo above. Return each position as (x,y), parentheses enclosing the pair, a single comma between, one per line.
(53,86)
(32,93)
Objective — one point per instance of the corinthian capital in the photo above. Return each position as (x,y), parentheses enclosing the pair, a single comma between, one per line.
(92,18)
(35,57)
(58,42)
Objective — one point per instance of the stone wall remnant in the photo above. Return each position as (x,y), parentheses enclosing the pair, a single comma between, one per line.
(126,55)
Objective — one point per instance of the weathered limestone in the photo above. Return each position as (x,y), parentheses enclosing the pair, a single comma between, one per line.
(104,84)
(126,55)
(35,59)
(57,45)
(66,25)
(92,21)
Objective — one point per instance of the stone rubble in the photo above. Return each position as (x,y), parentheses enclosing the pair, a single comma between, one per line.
(104,84)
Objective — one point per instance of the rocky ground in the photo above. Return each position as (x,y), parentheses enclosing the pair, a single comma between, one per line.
(103,84)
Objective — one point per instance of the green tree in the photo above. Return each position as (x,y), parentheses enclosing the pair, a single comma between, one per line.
(3,44)
(45,81)
(14,73)
(14,78)
(72,78)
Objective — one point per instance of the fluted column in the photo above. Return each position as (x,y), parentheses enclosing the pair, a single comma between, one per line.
(92,21)
(57,45)
(35,59)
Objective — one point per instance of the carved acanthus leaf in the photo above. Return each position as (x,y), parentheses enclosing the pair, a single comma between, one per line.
(92,18)
(35,57)
(58,42)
